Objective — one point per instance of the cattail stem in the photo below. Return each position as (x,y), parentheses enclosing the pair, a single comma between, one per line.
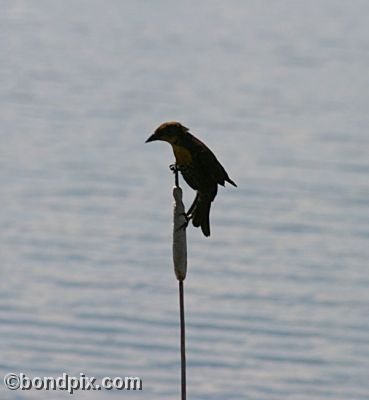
(183,341)
(180,269)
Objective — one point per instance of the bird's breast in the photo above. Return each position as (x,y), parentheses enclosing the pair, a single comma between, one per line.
(182,155)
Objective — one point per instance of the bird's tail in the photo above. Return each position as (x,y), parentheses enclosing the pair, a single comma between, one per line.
(201,215)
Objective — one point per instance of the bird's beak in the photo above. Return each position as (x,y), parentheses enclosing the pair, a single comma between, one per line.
(151,138)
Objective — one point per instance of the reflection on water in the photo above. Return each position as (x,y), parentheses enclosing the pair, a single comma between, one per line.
(277,298)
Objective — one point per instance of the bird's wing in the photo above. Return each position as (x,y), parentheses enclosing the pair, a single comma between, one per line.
(212,166)
(209,164)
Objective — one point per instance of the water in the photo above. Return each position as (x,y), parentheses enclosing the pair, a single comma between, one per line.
(277,299)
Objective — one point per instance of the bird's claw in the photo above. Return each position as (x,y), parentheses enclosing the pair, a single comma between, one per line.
(173,168)
(185,224)
(187,215)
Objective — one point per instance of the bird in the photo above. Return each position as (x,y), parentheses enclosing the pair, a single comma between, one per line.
(199,167)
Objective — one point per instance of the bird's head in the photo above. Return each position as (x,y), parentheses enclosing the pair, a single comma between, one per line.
(170,132)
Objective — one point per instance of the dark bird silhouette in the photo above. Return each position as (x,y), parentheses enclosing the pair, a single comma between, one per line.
(199,168)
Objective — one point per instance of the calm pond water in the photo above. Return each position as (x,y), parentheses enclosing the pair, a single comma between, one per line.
(277,300)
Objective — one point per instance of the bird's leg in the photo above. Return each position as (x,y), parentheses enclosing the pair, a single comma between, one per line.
(188,214)
(193,205)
